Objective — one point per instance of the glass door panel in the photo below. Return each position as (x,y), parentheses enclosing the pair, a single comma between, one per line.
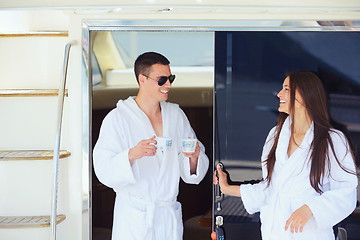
(249,71)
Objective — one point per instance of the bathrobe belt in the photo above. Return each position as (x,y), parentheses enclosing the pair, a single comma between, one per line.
(150,208)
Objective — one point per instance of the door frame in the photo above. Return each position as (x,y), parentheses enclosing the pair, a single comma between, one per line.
(88,26)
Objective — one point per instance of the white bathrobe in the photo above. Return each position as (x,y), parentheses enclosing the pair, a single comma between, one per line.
(146,191)
(290,189)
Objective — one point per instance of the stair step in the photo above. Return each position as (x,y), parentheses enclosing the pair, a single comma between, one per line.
(30,92)
(31,155)
(28,221)
(36,34)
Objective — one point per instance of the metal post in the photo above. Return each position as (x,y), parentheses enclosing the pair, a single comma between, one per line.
(61,97)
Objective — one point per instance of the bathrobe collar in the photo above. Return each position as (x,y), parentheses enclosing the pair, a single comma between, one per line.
(167,113)
(286,166)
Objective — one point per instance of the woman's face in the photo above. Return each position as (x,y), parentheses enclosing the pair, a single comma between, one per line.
(284,97)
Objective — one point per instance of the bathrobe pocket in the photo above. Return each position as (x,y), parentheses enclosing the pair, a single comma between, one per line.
(266,218)
(178,214)
(137,222)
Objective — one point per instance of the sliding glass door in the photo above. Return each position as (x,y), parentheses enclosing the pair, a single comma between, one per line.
(249,71)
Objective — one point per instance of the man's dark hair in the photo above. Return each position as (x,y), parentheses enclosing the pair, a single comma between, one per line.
(144,62)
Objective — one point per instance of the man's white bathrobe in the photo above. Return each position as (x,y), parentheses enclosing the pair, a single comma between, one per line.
(146,191)
(290,189)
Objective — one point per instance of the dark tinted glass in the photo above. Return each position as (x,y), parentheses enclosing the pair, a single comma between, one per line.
(249,72)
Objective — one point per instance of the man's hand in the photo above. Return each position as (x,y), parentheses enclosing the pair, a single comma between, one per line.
(298,219)
(193,155)
(193,158)
(145,147)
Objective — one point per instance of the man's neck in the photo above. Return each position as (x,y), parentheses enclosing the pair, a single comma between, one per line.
(149,107)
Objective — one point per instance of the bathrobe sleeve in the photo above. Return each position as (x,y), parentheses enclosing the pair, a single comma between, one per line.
(185,131)
(254,196)
(339,200)
(110,155)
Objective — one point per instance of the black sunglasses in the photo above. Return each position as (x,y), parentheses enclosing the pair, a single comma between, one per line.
(163,79)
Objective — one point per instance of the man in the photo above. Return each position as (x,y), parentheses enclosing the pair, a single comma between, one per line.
(126,158)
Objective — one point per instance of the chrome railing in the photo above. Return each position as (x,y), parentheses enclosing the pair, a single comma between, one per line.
(61,97)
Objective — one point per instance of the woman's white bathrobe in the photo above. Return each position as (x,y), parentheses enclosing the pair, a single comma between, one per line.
(290,189)
(146,191)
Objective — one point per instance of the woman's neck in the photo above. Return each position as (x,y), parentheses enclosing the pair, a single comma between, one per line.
(302,123)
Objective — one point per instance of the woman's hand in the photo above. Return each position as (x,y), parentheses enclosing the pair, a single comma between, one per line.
(225,188)
(220,178)
(298,219)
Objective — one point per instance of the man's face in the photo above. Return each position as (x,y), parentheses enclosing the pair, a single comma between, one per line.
(160,93)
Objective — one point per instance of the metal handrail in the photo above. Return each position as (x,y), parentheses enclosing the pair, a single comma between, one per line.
(61,97)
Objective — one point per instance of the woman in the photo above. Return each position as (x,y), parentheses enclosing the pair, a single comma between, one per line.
(308,168)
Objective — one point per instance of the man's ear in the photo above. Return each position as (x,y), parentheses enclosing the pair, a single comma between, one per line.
(141,79)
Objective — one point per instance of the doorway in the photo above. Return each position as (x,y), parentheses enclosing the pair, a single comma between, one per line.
(191,56)
(244,84)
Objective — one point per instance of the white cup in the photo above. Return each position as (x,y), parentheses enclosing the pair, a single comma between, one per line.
(163,143)
(188,144)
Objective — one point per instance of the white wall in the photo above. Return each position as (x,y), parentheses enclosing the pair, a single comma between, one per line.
(169,3)
(31,20)
(29,123)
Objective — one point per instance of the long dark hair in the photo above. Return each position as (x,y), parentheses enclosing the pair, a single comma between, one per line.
(311,89)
